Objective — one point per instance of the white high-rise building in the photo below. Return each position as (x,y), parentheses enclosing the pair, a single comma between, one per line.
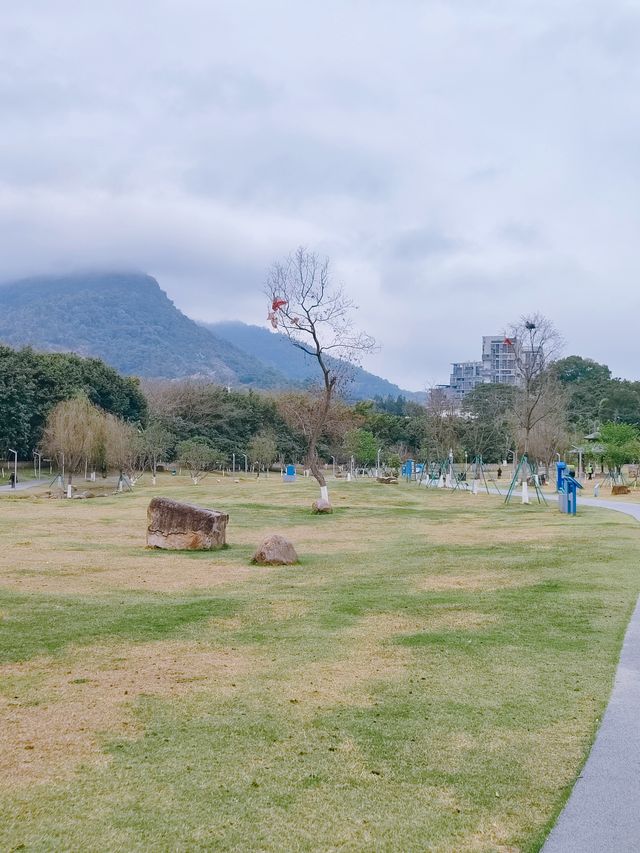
(499,360)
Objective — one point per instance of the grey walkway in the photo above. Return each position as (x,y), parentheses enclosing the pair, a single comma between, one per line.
(26,484)
(619,506)
(603,811)
(602,814)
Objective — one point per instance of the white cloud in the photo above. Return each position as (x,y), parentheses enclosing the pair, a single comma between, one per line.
(461,163)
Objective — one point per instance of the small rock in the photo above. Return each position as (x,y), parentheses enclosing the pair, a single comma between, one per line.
(321,506)
(275,551)
(621,490)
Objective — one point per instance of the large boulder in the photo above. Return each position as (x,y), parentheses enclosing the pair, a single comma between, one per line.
(275,551)
(321,506)
(185,527)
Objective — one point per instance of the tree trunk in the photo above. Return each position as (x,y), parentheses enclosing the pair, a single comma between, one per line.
(312,453)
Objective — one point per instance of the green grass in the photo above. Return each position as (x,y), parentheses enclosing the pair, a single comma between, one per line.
(35,625)
(430,677)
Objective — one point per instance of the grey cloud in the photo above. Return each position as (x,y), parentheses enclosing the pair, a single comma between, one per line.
(461,163)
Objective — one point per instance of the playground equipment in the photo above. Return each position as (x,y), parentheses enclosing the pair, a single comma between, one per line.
(478,474)
(525,472)
(567,490)
(289,475)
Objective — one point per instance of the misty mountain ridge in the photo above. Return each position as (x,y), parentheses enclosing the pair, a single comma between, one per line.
(128,321)
(279,353)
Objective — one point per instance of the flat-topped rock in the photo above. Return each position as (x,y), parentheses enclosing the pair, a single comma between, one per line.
(321,506)
(185,527)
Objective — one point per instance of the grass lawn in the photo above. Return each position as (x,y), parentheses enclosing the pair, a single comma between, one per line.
(429,678)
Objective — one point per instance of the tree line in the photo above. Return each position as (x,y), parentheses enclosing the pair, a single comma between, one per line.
(111,422)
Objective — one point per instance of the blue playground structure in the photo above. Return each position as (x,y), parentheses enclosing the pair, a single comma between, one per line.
(567,490)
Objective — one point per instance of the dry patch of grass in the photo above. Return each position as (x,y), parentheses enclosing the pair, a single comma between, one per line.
(366,657)
(69,707)
(484,581)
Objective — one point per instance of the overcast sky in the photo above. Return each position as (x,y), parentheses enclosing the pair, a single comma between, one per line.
(460,162)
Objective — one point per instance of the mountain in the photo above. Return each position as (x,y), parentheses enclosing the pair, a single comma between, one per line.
(278,353)
(126,320)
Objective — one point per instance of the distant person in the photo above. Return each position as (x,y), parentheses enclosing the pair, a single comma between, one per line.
(499,472)
(572,471)
(12,480)
(590,471)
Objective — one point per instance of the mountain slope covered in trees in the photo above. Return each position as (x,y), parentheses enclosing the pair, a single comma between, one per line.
(126,320)
(278,353)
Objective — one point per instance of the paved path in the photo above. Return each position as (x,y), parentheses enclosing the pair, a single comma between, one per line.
(602,814)
(25,484)
(603,811)
(619,506)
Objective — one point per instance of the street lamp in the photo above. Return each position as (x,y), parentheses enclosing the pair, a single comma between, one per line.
(378,463)
(15,467)
(333,458)
(234,463)
(39,455)
(246,463)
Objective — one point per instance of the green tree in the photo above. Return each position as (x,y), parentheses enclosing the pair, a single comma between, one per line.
(362,445)
(34,383)
(199,457)
(621,445)
(486,429)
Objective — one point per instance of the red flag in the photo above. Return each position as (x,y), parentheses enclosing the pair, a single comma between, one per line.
(508,342)
(277,304)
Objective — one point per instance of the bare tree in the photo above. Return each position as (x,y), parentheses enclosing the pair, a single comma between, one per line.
(535,344)
(315,315)
(156,442)
(263,450)
(442,422)
(124,449)
(550,434)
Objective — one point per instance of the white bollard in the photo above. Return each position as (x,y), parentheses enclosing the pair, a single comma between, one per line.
(596,490)
(474,487)
(348,478)
(525,492)
(441,482)
(69,491)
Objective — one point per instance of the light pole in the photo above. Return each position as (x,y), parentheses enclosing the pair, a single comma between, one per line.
(246,463)
(378,462)
(39,455)
(333,459)
(15,467)
(234,463)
